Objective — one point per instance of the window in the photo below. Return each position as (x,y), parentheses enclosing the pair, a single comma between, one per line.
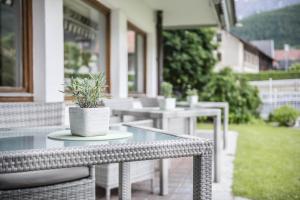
(86,38)
(15,47)
(136,60)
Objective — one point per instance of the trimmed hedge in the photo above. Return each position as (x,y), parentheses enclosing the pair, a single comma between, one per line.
(275,75)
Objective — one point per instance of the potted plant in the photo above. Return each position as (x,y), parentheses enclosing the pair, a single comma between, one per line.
(168,102)
(90,117)
(192,96)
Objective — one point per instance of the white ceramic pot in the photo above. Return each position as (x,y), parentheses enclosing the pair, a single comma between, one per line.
(89,121)
(167,103)
(192,100)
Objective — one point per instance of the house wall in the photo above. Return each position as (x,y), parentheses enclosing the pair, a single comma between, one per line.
(231,50)
(250,61)
(143,17)
(48,59)
(236,55)
(265,63)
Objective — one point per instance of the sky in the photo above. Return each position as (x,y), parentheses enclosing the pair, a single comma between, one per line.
(245,8)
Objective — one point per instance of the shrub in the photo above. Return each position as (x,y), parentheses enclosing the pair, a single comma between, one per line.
(285,116)
(166,89)
(88,91)
(295,67)
(188,58)
(243,98)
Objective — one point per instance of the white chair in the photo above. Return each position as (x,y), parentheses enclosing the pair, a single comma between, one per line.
(107,176)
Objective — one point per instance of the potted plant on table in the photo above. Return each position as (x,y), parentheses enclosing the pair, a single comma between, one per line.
(192,96)
(90,117)
(168,102)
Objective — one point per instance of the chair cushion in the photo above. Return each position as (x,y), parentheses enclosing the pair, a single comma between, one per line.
(41,178)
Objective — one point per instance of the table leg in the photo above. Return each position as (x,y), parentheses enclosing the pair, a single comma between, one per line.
(202,181)
(122,118)
(192,121)
(124,181)
(163,164)
(164,176)
(225,126)
(217,156)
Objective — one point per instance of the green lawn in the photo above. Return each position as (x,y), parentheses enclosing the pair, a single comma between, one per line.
(267,164)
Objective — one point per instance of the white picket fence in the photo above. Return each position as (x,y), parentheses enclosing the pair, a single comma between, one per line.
(277,99)
(277,93)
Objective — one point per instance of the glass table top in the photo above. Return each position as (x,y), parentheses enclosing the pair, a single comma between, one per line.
(36,138)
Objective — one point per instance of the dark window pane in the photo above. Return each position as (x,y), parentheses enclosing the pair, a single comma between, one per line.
(11,73)
(136,62)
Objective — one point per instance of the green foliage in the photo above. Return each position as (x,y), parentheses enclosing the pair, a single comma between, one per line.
(8,60)
(243,98)
(295,68)
(285,116)
(280,25)
(166,89)
(88,91)
(192,92)
(275,75)
(188,58)
(75,75)
(74,57)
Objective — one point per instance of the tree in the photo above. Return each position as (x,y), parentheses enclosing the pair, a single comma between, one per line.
(243,99)
(188,58)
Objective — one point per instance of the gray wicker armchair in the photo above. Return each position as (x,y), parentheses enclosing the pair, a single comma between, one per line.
(67,183)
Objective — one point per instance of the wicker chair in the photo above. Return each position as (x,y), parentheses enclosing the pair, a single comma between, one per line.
(107,176)
(14,115)
(68,183)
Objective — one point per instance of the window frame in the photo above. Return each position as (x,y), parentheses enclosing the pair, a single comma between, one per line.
(27,83)
(131,26)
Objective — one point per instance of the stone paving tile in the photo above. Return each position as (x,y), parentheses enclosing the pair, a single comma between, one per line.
(180,179)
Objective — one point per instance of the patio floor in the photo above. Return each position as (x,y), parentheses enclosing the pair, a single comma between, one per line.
(181,181)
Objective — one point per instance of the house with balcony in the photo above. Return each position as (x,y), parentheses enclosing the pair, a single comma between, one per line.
(45,42)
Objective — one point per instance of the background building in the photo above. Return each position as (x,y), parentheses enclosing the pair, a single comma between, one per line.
(240,55)
(285,58)
(45,42)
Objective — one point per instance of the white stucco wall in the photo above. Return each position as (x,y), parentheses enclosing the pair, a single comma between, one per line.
(233,55)
(251,65)
(231,50)
(48,49)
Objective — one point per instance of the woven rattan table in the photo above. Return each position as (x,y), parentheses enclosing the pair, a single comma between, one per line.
(220,105)
(29,149)
(161,120)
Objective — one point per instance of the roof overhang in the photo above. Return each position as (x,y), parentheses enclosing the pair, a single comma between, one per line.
(195,13)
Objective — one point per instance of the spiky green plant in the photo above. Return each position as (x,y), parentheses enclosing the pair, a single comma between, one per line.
(88,92)
(166,89)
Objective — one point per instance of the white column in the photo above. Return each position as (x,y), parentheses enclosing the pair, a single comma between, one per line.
(48,50)
(119,55)
(151,65)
